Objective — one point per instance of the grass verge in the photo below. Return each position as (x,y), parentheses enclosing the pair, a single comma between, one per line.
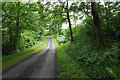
(12,59)
(66,66)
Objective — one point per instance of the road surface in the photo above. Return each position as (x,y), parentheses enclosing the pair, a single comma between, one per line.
(40,65)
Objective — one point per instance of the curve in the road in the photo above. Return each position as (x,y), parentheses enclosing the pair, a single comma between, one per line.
(40,65)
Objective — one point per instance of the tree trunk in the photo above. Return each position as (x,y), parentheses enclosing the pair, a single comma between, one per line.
(96,21)
(69,24)
(10,38)
(17,42)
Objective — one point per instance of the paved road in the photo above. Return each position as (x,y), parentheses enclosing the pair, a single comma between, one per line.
(40,65)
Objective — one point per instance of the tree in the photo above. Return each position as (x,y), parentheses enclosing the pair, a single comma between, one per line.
(17,17)
(96,21)
(69,23)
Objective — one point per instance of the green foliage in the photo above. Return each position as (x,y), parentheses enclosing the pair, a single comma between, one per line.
(96,63)
(27,40)
(24,24)
(16,57)
(60,39)
(68,68)
(21,25)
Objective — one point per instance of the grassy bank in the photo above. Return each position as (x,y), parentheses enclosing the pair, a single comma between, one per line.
(10,60)
(66,66)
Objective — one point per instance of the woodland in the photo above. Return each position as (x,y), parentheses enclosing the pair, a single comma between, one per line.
(91,36)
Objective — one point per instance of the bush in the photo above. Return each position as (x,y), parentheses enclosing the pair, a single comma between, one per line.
(96,63)
(60,39)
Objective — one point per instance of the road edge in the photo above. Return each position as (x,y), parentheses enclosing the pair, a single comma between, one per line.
(6,70)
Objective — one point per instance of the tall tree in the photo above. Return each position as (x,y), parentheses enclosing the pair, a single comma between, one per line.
(96,21)
(17,27)
(68,17)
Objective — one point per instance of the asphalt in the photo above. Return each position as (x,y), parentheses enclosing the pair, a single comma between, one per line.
(40,65)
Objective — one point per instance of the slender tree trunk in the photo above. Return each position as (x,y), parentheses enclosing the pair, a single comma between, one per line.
(17,32)
(69,24)
(96,21)
(17,42)
(10,37)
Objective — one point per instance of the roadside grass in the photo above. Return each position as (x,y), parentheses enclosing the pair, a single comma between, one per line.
(67,67)
(12,59)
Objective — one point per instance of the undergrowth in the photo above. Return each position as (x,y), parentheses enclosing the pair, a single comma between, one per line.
(67,67)
(96,63)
